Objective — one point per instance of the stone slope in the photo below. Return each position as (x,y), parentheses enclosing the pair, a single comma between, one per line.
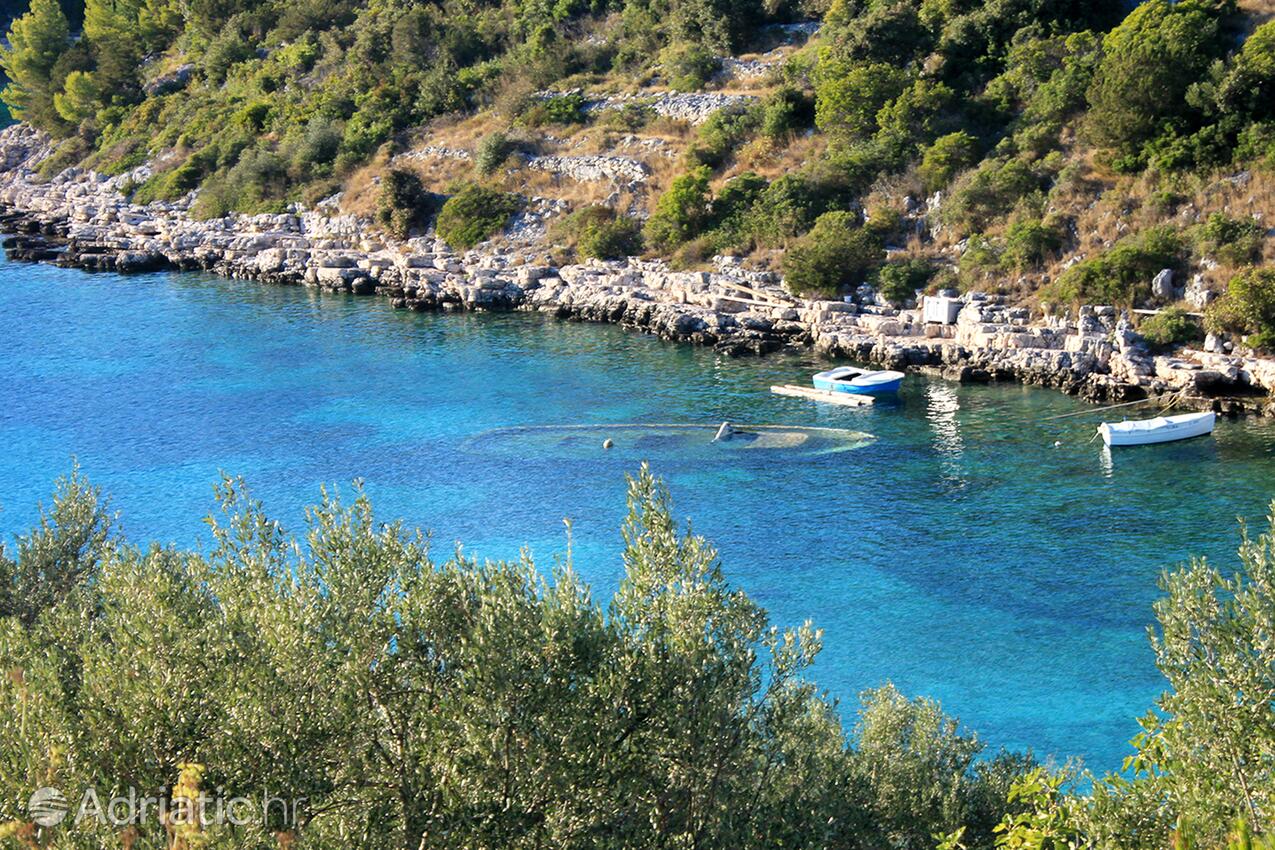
(79,218)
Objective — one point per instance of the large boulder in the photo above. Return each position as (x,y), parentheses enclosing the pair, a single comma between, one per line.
(1162,286)
(1198,294)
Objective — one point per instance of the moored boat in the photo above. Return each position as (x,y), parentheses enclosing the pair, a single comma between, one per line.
(851,379)
(1161,429)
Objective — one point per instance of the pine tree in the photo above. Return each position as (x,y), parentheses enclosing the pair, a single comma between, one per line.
(36,41)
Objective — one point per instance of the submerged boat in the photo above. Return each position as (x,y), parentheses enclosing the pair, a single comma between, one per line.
(1161,429)
(851,379)
(663,441)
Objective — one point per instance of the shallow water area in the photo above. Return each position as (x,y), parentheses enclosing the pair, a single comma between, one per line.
(959,552)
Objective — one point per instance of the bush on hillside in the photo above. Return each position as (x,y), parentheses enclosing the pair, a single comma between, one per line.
(718,138)
(688,66)
(1148,63)
(255,184)
(492,151)
(556,109)
(474,214)
(1232,240)
(848,98)
(602,233)
(1169,327)
(628,117)
(403,205)
(948,156)
(837,253)
(787,208)
(1248,308)
(1123,274)
(987,193)
(176,182)
(1029,242)
(681,213)
(314,150)
(785,111)
(898,281)
(732,207)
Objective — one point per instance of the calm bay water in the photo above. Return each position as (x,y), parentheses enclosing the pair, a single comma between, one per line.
(960,555)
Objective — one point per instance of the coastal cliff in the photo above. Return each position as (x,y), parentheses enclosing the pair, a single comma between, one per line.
(81,218)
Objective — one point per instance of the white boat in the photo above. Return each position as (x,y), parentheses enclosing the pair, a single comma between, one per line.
(849,379)
(1161,429)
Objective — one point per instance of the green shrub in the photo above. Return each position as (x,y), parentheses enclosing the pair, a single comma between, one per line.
(556,109)
(1248,308)
(980,257)
(602,233)
(899,280)
(628,117)
(1256,143)
(313,153)
(1169,327)
(721,135)
(848,98)
(1028,242)
(1231,240)
(227,49)
(919,115)
(681,213)
(987,193)
(176,182)
(475,213)
(687,66)
(492,151)
(733,205)
(835,254)
(257,183)
(403,205)
(1148,63)
(942,160)
(1123,274)
(787,208)
(784,111)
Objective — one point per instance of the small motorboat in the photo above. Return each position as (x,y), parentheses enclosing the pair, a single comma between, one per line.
(851,379)
(1161,429)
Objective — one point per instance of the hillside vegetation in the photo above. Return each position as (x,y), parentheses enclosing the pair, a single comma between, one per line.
(1057,151)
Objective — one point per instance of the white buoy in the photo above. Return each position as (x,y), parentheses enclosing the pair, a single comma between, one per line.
(607,443)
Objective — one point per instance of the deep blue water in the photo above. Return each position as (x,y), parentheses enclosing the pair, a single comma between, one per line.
(961,554)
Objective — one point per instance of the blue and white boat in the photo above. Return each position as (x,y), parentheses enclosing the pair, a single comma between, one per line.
(851,379)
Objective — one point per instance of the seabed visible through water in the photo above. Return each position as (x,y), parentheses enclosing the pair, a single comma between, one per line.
(958,552)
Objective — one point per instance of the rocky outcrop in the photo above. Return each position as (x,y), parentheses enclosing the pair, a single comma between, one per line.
(691,107)
(622,171)
(175,80)
(80,219)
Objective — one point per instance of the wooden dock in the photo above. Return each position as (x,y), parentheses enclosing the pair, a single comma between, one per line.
(843,399)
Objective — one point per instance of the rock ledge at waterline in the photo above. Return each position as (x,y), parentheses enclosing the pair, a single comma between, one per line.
(79,218)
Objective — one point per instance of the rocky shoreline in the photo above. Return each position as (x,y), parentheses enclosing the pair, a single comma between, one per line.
(80,218)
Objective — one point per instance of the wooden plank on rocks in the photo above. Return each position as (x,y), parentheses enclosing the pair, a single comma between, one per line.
(844,399)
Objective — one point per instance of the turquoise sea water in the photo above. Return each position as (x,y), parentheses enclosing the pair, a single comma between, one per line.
(960,554)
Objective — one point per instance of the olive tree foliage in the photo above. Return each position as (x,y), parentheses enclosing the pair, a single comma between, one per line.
(411,703)
(1203,760)
(59,556)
